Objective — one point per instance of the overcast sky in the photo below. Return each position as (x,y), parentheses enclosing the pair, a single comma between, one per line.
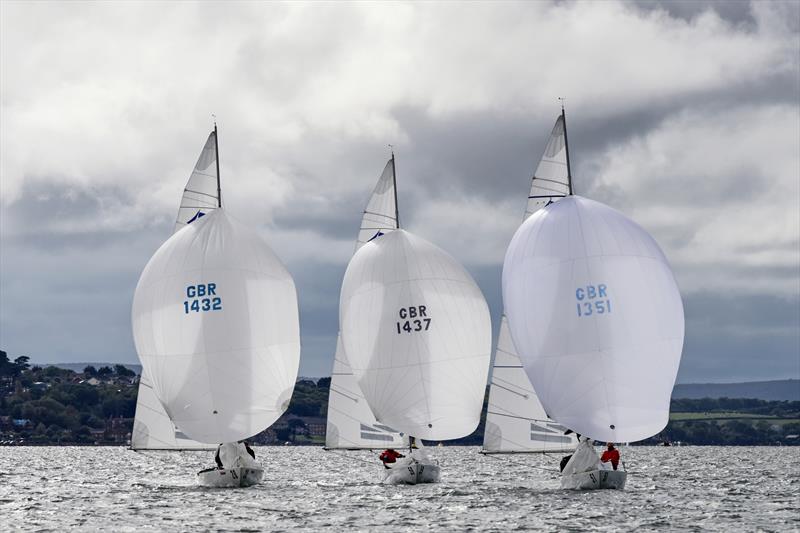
(685,116)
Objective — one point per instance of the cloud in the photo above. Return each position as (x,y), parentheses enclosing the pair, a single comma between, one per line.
(683,115)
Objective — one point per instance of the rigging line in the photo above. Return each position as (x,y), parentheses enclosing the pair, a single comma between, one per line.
(523,465)
(371,463)
(535,177)
(199,192)
(509,390)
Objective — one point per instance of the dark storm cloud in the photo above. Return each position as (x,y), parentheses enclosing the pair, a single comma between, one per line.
(737,12)
(752,336)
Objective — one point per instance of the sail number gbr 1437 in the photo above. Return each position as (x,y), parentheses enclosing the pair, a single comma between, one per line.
(592,300)
(414,318)
(202,298)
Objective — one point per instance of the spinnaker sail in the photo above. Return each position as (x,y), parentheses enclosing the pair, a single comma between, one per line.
(417,334)
(215,323)
(597,319)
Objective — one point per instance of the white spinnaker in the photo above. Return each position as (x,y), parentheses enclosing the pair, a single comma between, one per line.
(201,195)
(515,419)
(351,424)
(380,215)
(417,333)
(152,428)
(551,179)
(597,318)
(223,358)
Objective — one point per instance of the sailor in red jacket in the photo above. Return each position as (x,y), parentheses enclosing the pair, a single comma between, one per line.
(611,454)
(390,456)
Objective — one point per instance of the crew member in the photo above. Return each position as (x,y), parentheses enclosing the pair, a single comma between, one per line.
(390,455)
(611,454)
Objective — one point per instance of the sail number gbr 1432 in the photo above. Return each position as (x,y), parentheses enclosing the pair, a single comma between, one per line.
(414,318)
(202,298)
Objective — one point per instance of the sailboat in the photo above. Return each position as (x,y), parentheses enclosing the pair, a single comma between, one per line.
(152,427)
(351,425)
(596,316)
(417,333)
(216,327)
(516,422)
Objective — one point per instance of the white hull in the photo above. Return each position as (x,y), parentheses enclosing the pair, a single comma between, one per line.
(412,472)
(595,479)
(230,477)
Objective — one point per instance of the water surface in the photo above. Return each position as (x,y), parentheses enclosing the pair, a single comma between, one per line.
(679,488)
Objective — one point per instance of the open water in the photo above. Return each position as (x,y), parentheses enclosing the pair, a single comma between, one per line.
(669,489)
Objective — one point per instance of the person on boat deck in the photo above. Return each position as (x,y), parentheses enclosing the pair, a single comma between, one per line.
(233,454)
(584,459)
(611,454)
(390,455)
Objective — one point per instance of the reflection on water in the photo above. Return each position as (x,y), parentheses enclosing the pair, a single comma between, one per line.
(688,488)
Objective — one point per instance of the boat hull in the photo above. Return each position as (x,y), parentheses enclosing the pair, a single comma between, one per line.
(413,472)
(595,479)
(230,477)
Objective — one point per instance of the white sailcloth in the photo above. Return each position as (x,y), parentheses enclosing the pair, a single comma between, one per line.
(515,419)
(551,179)
(215,324)
(417,333)
(596,316)
(380,215)
(201,195)
(152,428)
(351,424)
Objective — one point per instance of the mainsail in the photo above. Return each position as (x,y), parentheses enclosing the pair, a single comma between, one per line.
(417,333)
(351,424)
(202,193)
(216,326)
(152,428)
(515,419)
(597,318)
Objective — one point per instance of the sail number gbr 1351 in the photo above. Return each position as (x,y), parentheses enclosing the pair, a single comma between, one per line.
(414,318)
(202,298)
(592,300)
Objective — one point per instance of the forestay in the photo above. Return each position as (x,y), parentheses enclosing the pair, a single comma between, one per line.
(215,324)
(201,195)
(515,419)
(351,424)
(417,334)
(595,313)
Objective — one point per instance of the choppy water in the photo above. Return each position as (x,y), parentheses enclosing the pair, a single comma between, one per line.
(686,488)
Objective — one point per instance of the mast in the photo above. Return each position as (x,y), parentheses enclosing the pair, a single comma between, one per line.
(566,145)
(216,148)
(394,182)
